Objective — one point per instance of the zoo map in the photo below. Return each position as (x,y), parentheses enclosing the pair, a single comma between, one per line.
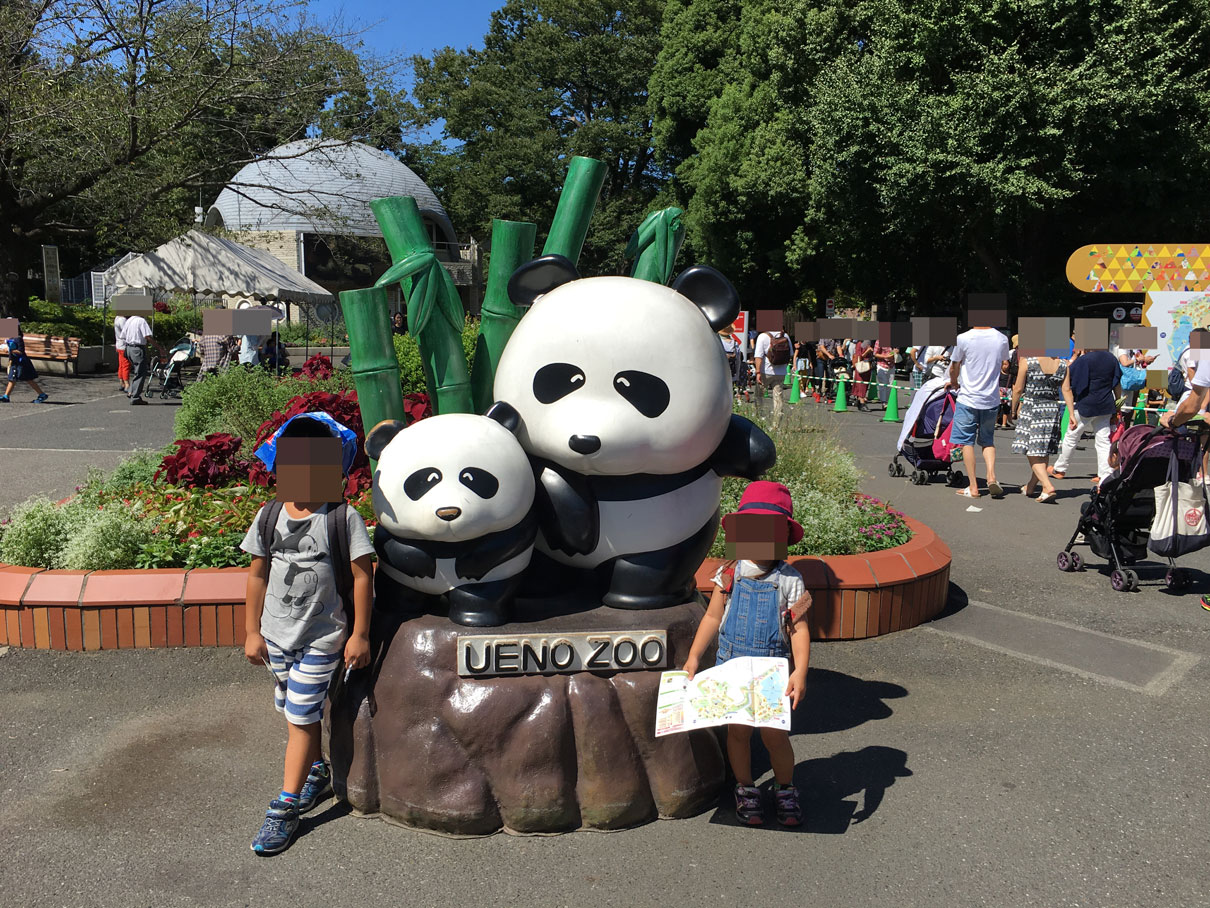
(749,690)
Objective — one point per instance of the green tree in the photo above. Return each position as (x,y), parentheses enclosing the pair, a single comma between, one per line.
(554,79)
(115,115)
(921,150)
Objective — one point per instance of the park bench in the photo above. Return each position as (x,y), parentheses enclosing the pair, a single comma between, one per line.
(46,346)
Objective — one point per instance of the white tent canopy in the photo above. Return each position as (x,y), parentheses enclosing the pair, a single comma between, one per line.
(200,263)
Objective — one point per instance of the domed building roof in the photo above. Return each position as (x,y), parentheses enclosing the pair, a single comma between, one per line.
(321,186)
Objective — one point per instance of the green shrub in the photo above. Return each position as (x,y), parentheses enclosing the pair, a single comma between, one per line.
(35,535)
(107,539)
(411,371)
(138,467)
(238,401)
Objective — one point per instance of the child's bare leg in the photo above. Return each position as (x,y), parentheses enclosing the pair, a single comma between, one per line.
(739,752)
(34,385)
(302,749)
(8,389)
(781,754)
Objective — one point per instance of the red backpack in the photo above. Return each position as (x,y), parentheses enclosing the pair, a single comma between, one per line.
(780,350)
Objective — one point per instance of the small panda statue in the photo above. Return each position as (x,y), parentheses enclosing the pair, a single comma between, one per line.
(454,498)
(624,403)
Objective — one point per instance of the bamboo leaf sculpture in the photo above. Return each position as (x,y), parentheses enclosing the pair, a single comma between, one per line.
(435,314)
(656,244)
(375,366)
(512,246)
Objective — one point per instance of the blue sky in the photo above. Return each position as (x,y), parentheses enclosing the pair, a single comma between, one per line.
(406,27)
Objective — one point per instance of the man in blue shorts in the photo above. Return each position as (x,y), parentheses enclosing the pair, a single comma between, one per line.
(975,366)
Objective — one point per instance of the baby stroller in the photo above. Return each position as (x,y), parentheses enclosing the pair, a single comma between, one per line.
(927,420)
(838,369)
(182,358)
(1116,523)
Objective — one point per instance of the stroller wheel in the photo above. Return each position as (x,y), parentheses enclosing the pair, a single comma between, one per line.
(1177,579)
(1063,560)
(1133,579)
(1118,581)
(959,477)
(1077,561)
(892,469)
(918,477)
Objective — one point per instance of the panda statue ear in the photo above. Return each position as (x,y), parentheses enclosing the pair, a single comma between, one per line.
(707,289)
(542,275)
(380,436)
(505,414)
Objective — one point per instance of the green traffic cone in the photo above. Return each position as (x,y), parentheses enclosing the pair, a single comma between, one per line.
(841,398)
(788,379)
(795,391)
(892,405)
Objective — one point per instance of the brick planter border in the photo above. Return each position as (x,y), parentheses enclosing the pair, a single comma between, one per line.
(855,596)
(859,596)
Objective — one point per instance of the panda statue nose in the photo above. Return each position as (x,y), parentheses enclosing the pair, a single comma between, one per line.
(448,513)
(585,444)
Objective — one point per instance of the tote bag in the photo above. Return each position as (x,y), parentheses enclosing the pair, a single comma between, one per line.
(1133,378)
(1180,525)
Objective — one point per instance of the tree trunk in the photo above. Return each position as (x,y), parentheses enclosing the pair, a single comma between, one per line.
(14,295)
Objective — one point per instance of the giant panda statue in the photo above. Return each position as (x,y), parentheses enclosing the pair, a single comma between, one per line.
(624,403)
(454,498)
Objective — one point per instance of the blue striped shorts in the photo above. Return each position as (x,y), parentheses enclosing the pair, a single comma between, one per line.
(302,677)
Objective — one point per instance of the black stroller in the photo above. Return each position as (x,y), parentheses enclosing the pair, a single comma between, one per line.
(928,418)
(182,357)
(1116,523)
(836,370)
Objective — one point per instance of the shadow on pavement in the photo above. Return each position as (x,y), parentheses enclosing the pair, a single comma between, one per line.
(828,788)
(955,601)
(837,702)
(334,811)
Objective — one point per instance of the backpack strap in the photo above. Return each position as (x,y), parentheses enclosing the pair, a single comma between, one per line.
(338,545)
(268,522)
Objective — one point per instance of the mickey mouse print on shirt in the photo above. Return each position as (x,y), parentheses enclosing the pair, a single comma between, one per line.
(301,584)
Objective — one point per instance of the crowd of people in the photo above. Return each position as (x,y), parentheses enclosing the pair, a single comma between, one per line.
(1091,391)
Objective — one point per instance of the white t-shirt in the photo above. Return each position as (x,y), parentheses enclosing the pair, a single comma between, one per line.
(118,324)
(981,352)
(936,369)
(1202,377)
(135,332)
(762,353)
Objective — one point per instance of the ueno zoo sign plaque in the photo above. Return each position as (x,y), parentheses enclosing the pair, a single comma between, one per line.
(486,655)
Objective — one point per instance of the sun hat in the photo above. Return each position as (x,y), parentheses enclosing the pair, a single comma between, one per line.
(764,497)
(267,452)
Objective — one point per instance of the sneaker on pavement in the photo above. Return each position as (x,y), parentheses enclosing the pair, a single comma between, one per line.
(318,784)
(41,398)
(276,833)
(749,808)
(789,812)
(4,399)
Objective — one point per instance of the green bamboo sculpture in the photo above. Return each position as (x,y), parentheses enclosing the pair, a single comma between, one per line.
(435,314)
(585,176)
(375,367)
(512,246)
(656,244)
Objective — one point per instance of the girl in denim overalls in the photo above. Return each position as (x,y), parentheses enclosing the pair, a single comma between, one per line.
(759,608)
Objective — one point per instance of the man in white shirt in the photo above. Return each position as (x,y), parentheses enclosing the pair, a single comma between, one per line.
(774,352)
(975,366)
(135,335)
(1193,402)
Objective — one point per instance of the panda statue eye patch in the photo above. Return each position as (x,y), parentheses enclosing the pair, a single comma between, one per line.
(481,482)
(416,485)
(556,380)
(643,391)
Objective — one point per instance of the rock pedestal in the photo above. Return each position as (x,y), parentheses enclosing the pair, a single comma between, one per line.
(413,741)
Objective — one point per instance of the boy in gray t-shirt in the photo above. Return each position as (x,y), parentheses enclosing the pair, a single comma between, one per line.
(297,623)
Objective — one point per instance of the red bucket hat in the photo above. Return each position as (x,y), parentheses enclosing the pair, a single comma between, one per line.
(763,497)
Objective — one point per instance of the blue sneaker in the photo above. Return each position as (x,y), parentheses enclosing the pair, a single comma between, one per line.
(276,833)
(317,786)
(41,398)
(4,399)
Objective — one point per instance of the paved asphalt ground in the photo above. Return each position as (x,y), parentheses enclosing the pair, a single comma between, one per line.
(1044,744)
